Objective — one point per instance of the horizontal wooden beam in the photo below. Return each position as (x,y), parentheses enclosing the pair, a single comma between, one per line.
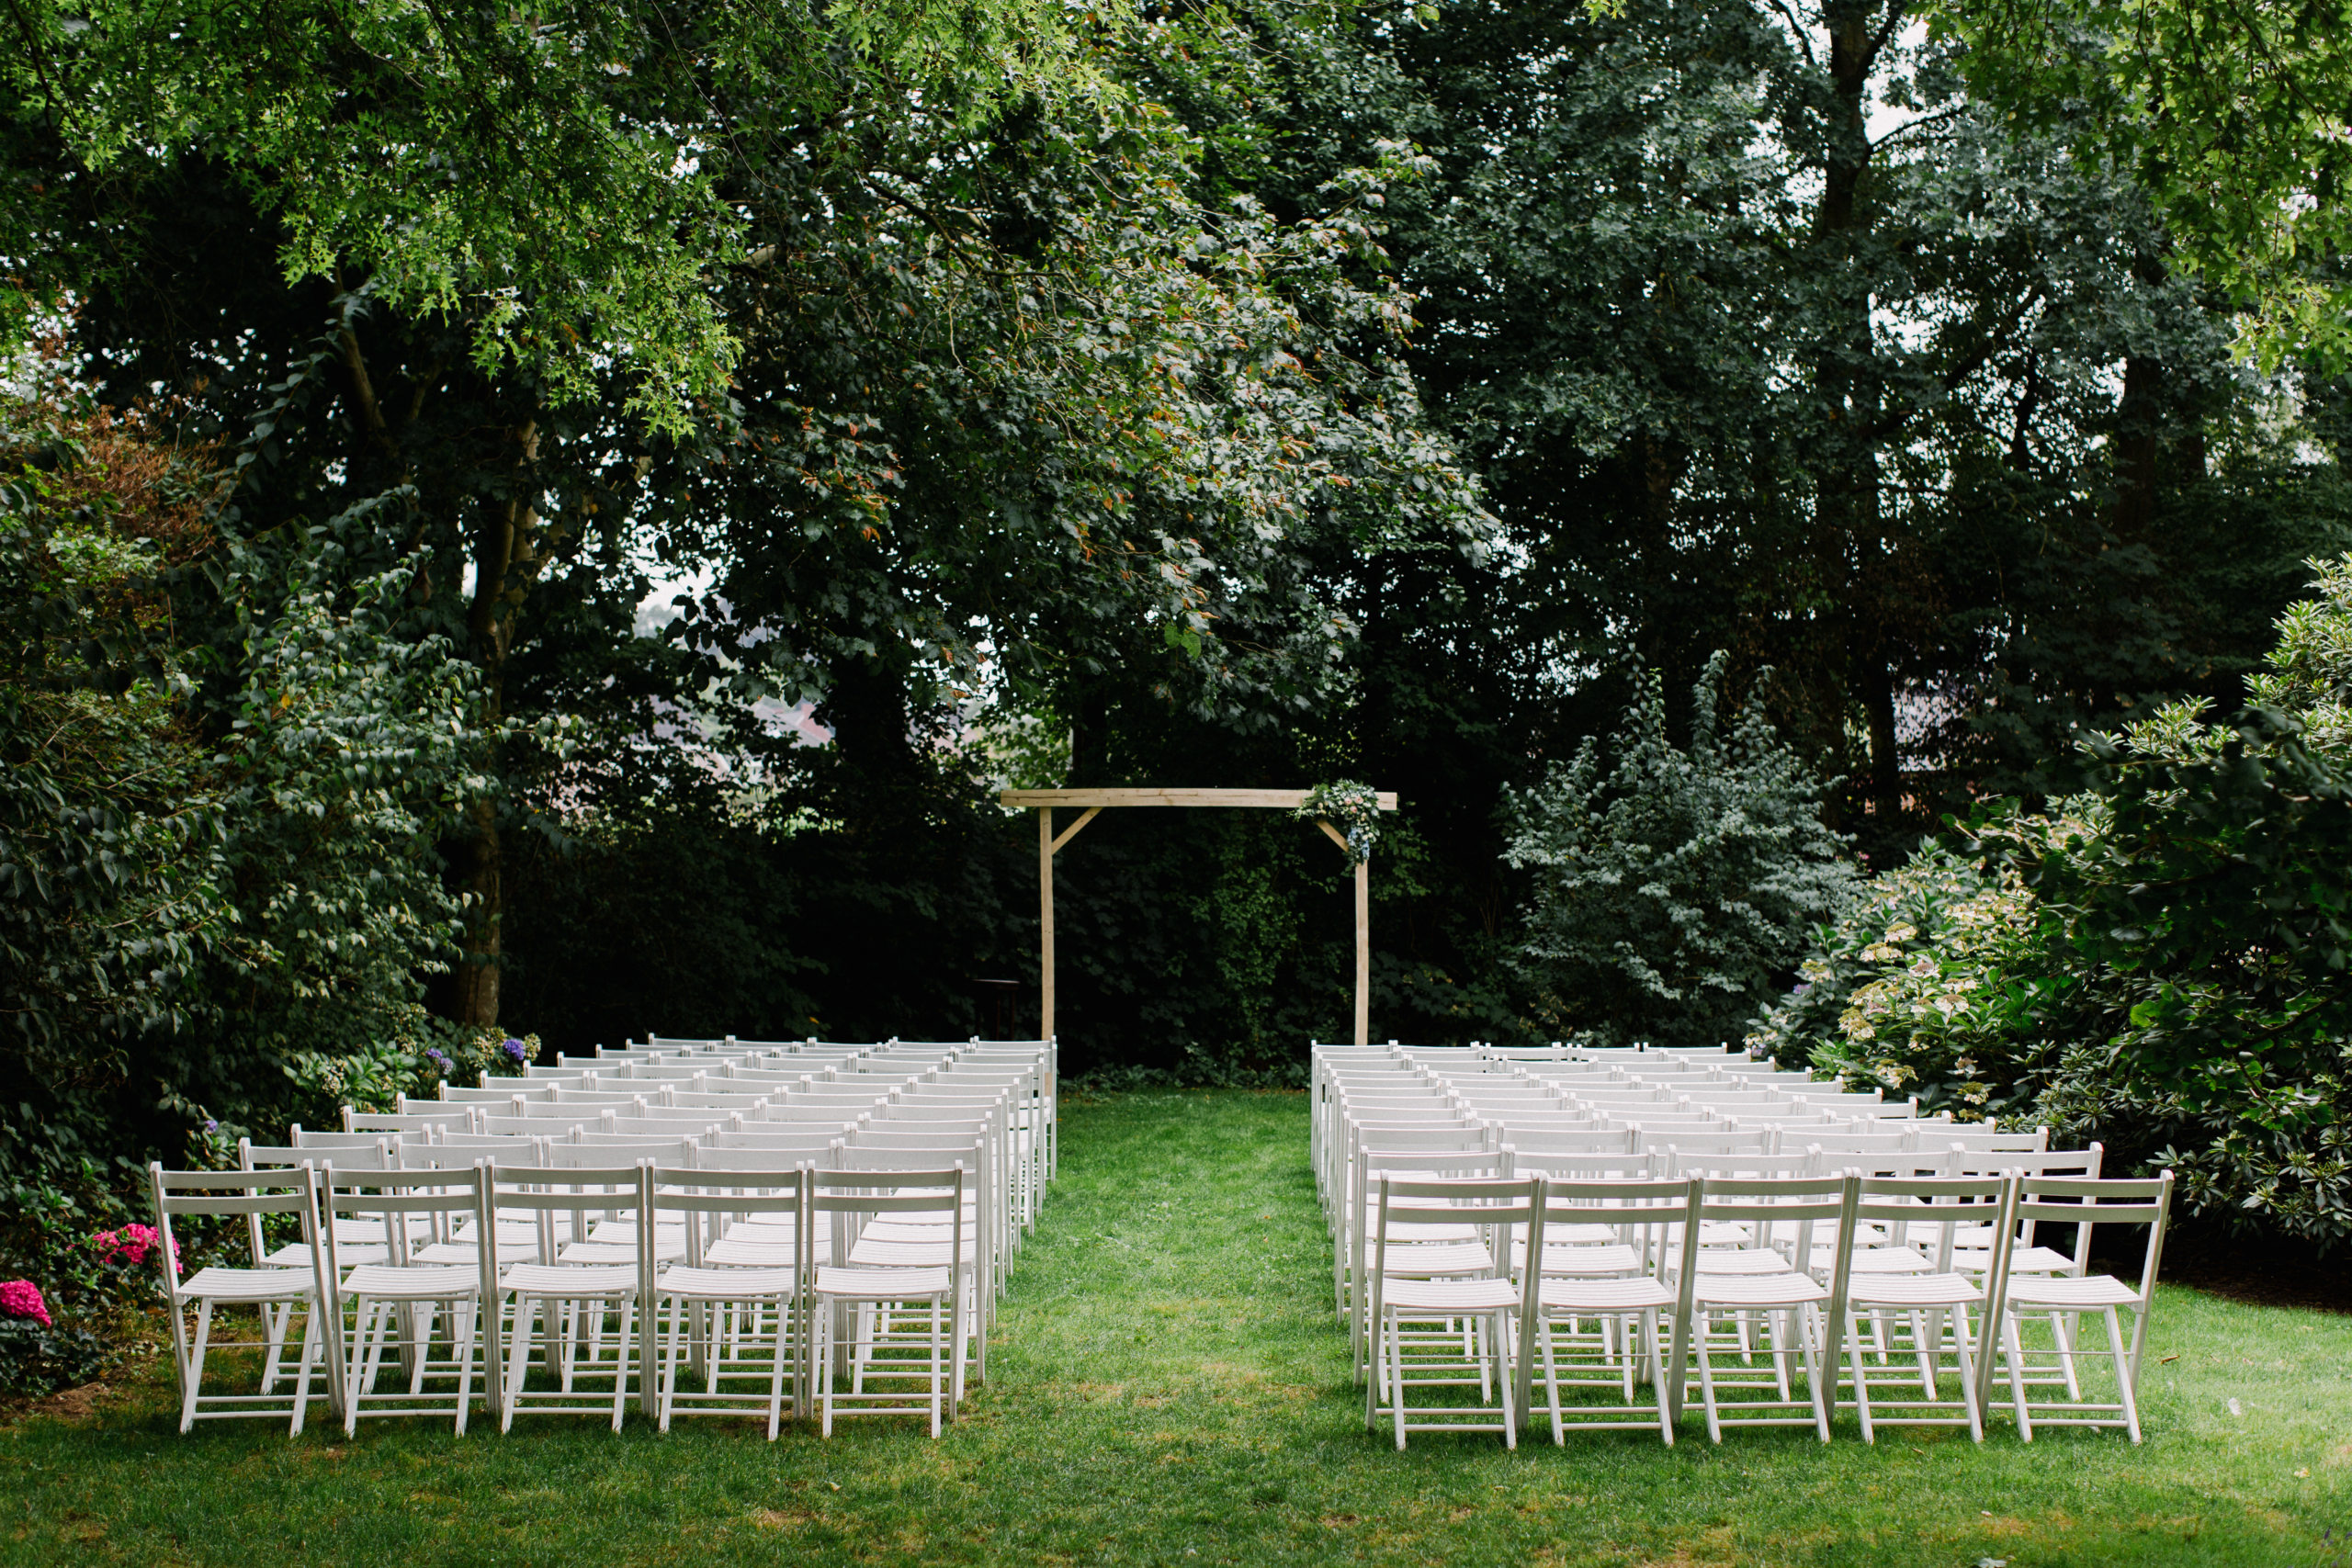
(1282,799)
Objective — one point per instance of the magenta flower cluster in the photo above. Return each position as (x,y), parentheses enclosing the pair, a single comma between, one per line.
(131,1244)
(22,1298)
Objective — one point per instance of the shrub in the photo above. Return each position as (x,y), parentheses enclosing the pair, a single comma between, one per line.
(2164,966)
(1934,984)
(1674,888)
(38,1356)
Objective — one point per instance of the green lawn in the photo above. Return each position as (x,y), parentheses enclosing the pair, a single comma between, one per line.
(1168,1387)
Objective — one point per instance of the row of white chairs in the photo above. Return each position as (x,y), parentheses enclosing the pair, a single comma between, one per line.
(785,1292)
(1567,1114)
(1859,1284)
(1639,1101)
(986,1109)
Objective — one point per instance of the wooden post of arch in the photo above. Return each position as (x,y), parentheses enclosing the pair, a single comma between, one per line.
(1094,801)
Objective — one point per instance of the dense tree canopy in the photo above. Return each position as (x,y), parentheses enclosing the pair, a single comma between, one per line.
(1258,393)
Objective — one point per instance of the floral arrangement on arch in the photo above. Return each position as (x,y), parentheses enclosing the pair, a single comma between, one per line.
(1353,808)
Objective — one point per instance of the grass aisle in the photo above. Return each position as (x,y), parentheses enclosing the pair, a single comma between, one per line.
(1168,1388)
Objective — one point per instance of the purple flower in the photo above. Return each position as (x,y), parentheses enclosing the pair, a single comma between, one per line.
(436,1059)
(22,1298)
(210,1125)
(514,1048)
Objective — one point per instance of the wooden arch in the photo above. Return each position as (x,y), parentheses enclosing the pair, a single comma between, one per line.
(1092,801)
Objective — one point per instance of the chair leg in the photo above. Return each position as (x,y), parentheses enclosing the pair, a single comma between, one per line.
(1806,1323)
(308,1358)
(196,1365)
(675,1329)
(1544,1326)
(2126,1395)
(1656,1327)
(275,1317)
(518,1355)
(463,1316)
(1967,1380)
(1707,1381)
(1861,1375)
(822,1316)
(776,1373)
(937,1391)
(1392,1329)
(2013,1349)
(621,1357)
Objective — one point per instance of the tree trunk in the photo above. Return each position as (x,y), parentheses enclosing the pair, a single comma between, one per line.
(503,556)
(1852,547)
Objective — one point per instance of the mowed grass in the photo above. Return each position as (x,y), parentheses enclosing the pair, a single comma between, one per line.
(1168,1387)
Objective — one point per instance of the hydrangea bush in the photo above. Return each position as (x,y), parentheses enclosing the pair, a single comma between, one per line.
(1934,984)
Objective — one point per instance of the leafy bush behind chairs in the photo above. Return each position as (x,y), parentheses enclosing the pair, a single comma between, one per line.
(2165,964)
(1934,984)
(2209,927)
(224,765)
(1674,889)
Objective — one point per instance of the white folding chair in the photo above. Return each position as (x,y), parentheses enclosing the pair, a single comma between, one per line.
(1624,1302)
(1930,1299)
(569,1301)
(245,1194)
(1799,1309)
(2063,1299)
(1442,1316)
(726,1314)
(384,1299)
(843,1201)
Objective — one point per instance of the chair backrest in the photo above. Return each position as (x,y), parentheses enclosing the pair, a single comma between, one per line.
(441,1203)
(1374,1141)
(1542,1138)
(301,1137)
(782,1153)
(598,1149)
(498,1091)
(1500,1204)
(916,1135)
(2086,1164)
(1557,1115)
(1976,1136)
(842,1199)
(2086,1204)
(373,1153)
(1680,1163)
(458,1116)
(504,1147)
(563,1202)
(1650,1213)
(537,1126)
(222,1194)
(1795,1208)
(694,1124)
(1842,1143)
(749,1104)
(598,1097)
(1944,1202)
(713,1195)
(785,1117)
(1698,1140)
(1618,1165)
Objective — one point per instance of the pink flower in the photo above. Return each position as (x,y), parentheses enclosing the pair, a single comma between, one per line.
(22,1298)
(129,1244)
